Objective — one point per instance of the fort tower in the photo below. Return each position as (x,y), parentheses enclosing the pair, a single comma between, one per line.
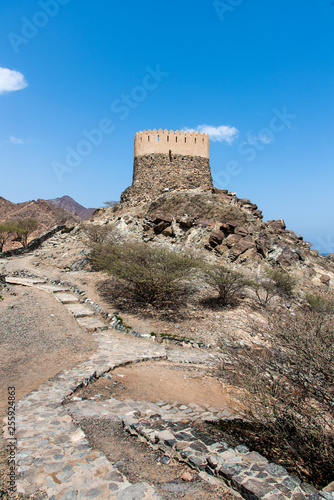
(167,160)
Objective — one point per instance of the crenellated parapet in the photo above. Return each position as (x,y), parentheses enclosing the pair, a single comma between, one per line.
(178,143)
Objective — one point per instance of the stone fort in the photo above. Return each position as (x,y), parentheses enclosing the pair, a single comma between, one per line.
(167,160)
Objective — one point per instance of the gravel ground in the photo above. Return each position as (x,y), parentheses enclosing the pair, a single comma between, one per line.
(172,480)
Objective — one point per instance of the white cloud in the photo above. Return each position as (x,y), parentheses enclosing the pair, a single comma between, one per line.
(11,80)
(18,140)
(223,133)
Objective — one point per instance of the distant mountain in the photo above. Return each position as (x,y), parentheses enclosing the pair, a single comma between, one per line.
(67,203)
(48,215)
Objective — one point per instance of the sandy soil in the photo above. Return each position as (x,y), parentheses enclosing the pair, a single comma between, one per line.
(156,381)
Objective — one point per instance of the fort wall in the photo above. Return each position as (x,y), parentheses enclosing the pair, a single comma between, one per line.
(165,161)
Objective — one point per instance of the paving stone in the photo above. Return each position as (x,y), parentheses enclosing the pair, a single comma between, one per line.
(79,310)
(67,298)
(92,324)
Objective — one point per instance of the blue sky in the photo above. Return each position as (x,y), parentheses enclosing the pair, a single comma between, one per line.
(261,74)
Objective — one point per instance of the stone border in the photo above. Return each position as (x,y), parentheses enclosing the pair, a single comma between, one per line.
(248,472)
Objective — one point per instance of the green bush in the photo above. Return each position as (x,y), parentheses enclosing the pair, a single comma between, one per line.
(227,282)
(152,275)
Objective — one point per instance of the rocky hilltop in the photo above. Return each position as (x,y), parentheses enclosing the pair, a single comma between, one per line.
(219,226)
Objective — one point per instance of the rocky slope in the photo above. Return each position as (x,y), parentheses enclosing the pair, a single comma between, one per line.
(48,215)
(221,227)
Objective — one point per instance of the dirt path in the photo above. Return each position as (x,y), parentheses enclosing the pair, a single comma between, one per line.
(155,381)
(38,339)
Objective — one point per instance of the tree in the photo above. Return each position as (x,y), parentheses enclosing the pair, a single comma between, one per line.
(5,233)
(22,228)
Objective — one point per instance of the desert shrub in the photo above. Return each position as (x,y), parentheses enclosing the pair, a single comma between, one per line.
(227,282)
(23,228)
(264,289)
(152,275)
(5,233)
(321,302)
(283,281)
(97,234)
(290,388)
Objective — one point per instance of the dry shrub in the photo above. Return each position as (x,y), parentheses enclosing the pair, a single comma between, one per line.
(291,385)
(97,234)
(273,283)
(226,281)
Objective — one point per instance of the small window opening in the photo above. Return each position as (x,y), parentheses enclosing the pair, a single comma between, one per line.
(185,139)
(175,139)
(148,138)
(167,138)
(158,138)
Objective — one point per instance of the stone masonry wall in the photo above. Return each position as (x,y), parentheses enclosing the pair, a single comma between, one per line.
(155,173)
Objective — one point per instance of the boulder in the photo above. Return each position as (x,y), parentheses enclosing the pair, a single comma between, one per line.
(258,213)
(244,201)
(185,221)
(251,255)
(204,222)
(325,279)
(263,244)
(233,239)
(242,246)
(161,226)
(216,238)
(168,232)
(157,219)
(228,227)
(221,249)
(277,225)
(241,230)
(287,257)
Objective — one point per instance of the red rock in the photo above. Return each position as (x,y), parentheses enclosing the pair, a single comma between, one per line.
(216,238)
(204,222)
(162,218)
(241,230)
(232,239)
